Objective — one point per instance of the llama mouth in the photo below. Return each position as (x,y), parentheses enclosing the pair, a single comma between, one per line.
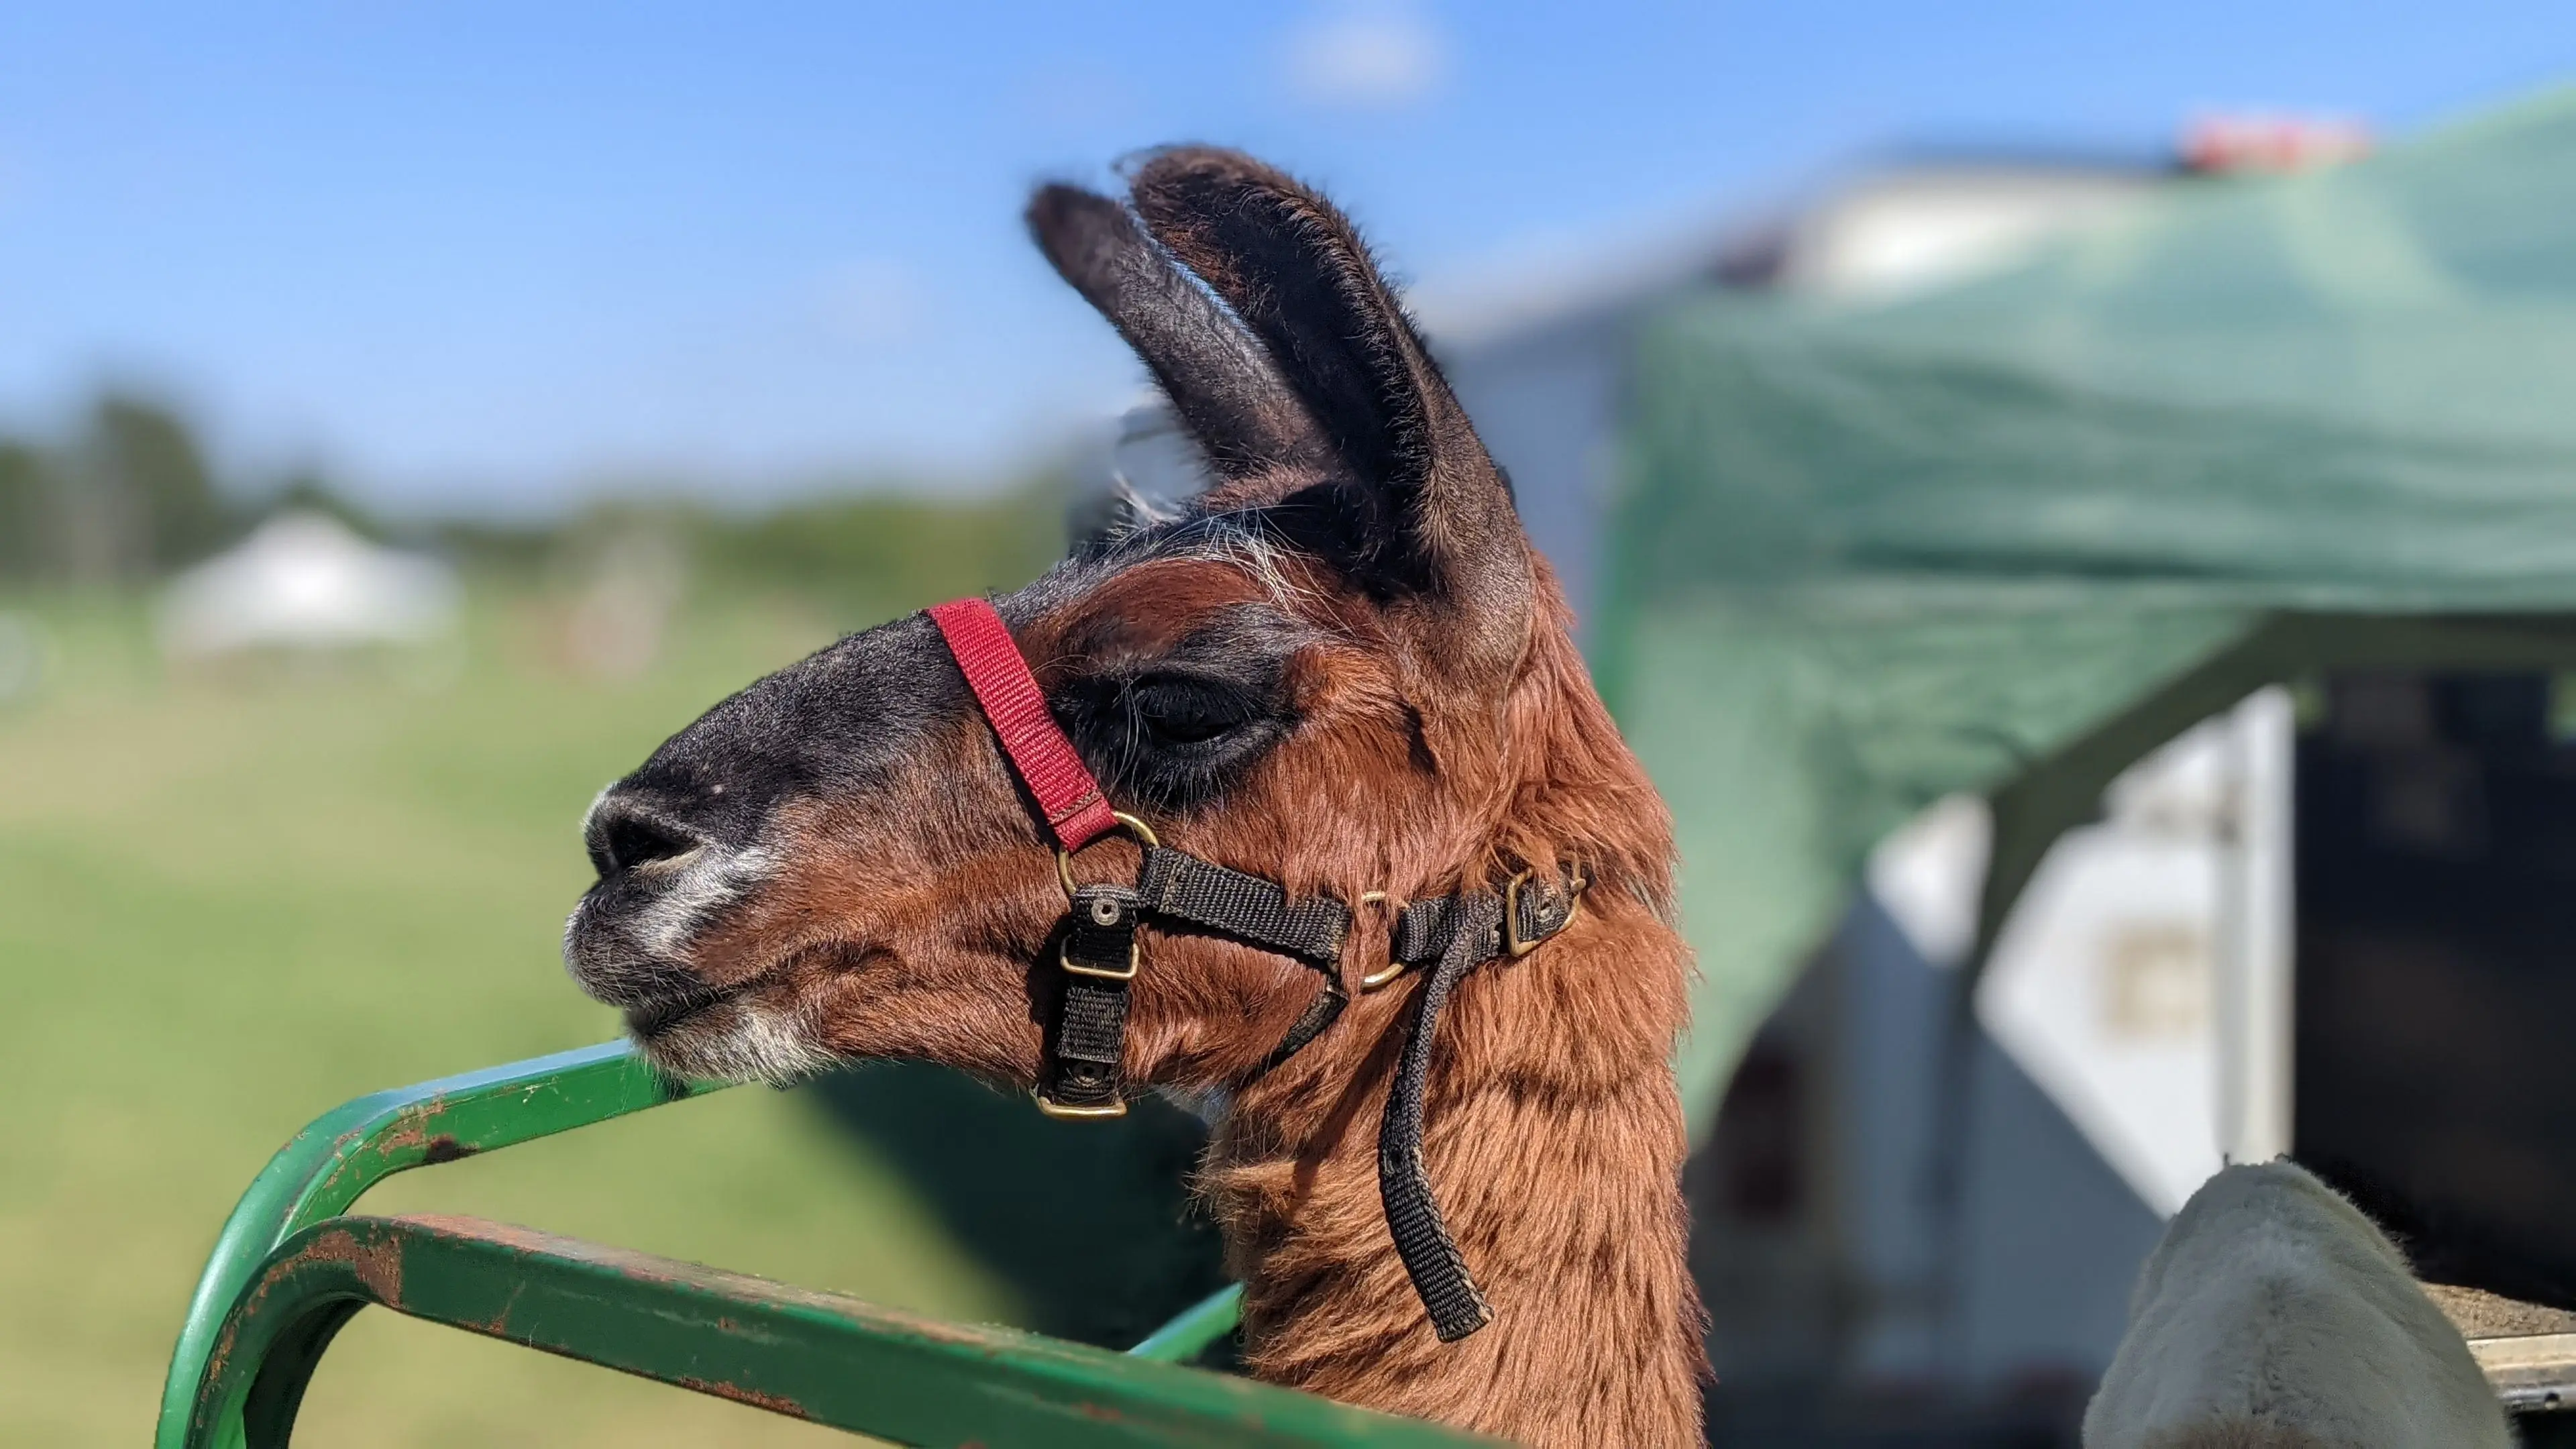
(672,1017)
(666,1014)
(759,1028)
(739,1033)
(662,1018)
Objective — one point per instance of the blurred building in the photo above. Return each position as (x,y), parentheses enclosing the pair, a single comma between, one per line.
(1541,360)
(1940,1161)
(632,581)
(304,584)
(1899,1197)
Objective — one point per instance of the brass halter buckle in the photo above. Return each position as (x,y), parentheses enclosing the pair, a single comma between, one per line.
(1059,1110)
(1515,946)
(1064,956)
(1093,1111)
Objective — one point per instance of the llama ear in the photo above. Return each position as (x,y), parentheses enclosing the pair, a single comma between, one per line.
(1227,391)
(1428,518)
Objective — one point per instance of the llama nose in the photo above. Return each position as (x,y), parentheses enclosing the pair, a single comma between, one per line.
(623,834)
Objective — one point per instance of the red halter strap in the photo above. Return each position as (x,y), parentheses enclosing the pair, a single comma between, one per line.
(1076,812)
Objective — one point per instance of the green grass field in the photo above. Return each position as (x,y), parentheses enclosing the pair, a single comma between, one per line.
(225,907)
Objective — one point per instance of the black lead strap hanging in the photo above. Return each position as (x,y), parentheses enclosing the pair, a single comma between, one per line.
(1422,1240)
(1459,933)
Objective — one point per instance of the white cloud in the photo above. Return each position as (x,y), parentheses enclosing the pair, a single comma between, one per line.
(874,302)
(1367,55)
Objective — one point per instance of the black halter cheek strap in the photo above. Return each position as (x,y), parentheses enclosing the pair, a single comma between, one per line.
(1100,956)
(1099,953)
(1453,935)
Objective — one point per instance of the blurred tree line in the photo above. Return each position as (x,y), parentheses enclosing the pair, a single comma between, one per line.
(130,494)
(875,549)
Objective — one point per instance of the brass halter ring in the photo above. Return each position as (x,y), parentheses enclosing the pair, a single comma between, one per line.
(1135,948)
(1126,822)
(1386,974)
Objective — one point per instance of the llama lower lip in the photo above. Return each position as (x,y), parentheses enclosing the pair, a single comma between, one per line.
(668,1014)
(647,1022)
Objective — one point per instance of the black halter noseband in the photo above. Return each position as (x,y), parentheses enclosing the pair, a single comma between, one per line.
(1099,952)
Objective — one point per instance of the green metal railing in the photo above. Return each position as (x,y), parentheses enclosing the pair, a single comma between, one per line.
(323,1170)
(291,1268)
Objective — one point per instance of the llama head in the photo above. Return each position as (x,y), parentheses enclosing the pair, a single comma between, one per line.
(1320,674)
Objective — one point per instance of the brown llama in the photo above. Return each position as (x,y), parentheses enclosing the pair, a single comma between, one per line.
(1345,673)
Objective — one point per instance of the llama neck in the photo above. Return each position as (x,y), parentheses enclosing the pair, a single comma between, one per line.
(1554,1141)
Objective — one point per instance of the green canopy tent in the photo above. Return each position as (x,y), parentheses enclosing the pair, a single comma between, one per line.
(2009,537)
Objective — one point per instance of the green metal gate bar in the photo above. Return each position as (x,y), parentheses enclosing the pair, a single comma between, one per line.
(1199,1325)
(816,1356)
(323,1170)
(215,1380)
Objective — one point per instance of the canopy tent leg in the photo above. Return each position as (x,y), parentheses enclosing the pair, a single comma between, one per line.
(2256,926)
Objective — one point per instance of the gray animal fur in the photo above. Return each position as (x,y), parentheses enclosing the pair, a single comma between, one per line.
(2275,1316)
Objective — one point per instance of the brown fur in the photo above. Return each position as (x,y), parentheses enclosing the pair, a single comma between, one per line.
(1555,1140)
(1447,736)
(1555,1135)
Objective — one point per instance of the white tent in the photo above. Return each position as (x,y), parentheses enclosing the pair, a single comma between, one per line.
(303,582)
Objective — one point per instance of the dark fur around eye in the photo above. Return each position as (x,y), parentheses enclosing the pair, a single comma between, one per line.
(1172,740)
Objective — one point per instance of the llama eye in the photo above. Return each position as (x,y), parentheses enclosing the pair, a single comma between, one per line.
(1180,713)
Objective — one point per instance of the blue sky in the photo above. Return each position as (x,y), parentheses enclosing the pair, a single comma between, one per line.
(488,256)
